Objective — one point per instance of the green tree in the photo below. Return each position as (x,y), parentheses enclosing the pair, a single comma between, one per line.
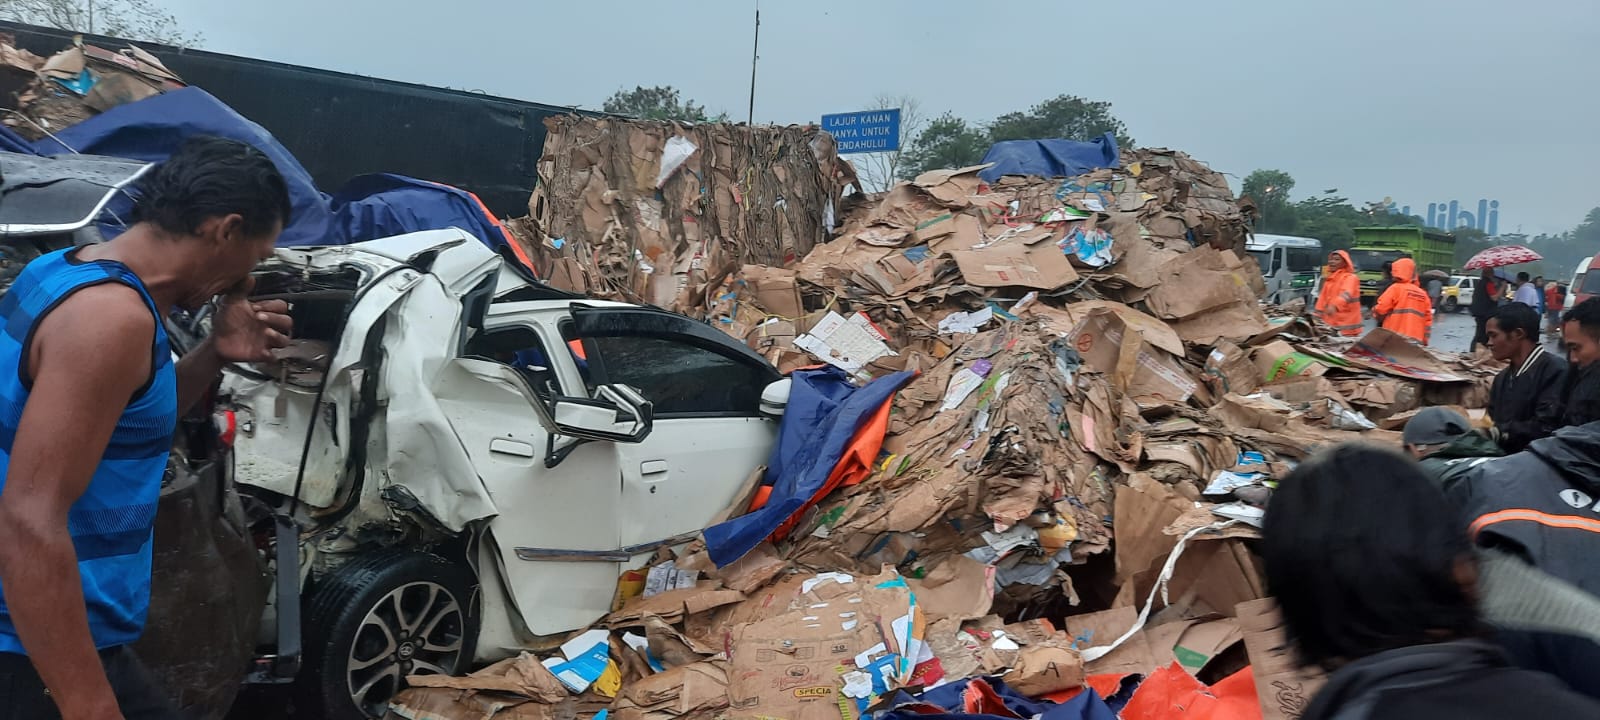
(947,142)
(661,102)
(1064,116)
(131,19)
(1270,190)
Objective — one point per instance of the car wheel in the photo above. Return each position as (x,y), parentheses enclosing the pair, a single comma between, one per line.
(1451,305)
(378,619)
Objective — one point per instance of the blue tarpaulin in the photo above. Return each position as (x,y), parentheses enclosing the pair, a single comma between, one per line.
(367,208)
(383,205)
(1050,158)
(153,128)
(821,419)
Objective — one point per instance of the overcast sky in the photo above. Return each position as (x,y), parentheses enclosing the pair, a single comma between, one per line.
(1418,101)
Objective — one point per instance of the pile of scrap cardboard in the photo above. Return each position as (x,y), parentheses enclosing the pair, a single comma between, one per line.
(49,94)
(1101,408)
(664,213)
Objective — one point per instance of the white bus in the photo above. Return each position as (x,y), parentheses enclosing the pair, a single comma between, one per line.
(1292,266)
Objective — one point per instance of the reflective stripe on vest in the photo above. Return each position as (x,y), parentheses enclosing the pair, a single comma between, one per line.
(1565,522)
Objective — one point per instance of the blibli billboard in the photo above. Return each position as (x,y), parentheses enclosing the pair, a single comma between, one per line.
(1451,216)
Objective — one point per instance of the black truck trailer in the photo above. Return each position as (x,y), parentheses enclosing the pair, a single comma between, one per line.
(340,125)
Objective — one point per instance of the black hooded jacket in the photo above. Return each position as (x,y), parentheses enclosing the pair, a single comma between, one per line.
(1461,680)
(1542,504)
(1582,395)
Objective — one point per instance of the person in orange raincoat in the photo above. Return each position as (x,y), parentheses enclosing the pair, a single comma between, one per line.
(1339,305)
(1405,308)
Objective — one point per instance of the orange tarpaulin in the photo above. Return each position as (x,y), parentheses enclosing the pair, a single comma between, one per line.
(1171,693)
(853,467)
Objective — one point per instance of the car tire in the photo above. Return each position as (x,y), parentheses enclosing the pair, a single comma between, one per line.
(1451,305)
(379,618)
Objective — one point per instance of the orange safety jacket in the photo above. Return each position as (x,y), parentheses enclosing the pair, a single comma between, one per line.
(1339,305)
(1405,308)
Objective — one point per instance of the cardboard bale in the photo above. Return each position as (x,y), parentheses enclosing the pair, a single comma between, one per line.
(662,212)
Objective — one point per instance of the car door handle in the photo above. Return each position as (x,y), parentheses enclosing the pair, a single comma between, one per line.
(653,467)
(502,446)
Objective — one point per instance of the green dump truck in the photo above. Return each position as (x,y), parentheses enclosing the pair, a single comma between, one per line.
(1377,246)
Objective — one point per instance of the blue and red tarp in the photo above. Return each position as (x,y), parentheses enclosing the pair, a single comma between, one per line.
(989,698)
(830,436)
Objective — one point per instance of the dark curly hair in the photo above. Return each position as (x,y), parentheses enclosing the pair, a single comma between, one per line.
(208,177)
(1361,550)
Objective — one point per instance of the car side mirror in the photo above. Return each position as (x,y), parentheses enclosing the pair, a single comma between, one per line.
(775,398)
(618,413)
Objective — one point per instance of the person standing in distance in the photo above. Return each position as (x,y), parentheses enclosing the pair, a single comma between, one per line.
(1526,293)
(1404,308)
(1339,305)
(1484,302)
(89,399)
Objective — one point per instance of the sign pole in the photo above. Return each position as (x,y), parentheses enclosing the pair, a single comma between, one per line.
(755,50)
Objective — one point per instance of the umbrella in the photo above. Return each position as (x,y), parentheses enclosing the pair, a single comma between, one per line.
(1440,274)
(1502,255)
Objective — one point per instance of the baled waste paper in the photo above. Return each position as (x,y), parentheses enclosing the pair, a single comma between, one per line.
(663,213)
(1087,409)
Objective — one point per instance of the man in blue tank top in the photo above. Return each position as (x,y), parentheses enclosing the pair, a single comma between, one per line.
(89,399)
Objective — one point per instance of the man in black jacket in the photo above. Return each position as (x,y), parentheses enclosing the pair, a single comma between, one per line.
(1580,328)
(1378,585)
(1527,399)
(1485,299)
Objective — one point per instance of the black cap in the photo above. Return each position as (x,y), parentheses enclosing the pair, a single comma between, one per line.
(1435,426)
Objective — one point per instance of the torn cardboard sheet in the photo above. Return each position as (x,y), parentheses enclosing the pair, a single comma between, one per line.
(1014,265)
(1278,360)
(1139,368)
(1095,653)
(1391,353)
(1200,280)
(1284,689)
(522,675)
(850,344)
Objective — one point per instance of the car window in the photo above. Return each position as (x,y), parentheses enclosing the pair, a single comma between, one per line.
(521,348)
(680,379)
(1591,284)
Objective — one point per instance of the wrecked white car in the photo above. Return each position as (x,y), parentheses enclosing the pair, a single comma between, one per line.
(472,458)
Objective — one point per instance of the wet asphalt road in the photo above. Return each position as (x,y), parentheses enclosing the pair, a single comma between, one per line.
(1453,332)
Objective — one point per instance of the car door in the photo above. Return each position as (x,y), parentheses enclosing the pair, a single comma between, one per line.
(556,534)
(708,435)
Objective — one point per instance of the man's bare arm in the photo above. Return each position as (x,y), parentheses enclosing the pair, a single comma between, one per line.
(88,357)
(243,332)
(196,371)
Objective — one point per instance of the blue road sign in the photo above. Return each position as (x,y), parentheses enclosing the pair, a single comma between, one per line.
(866,131)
